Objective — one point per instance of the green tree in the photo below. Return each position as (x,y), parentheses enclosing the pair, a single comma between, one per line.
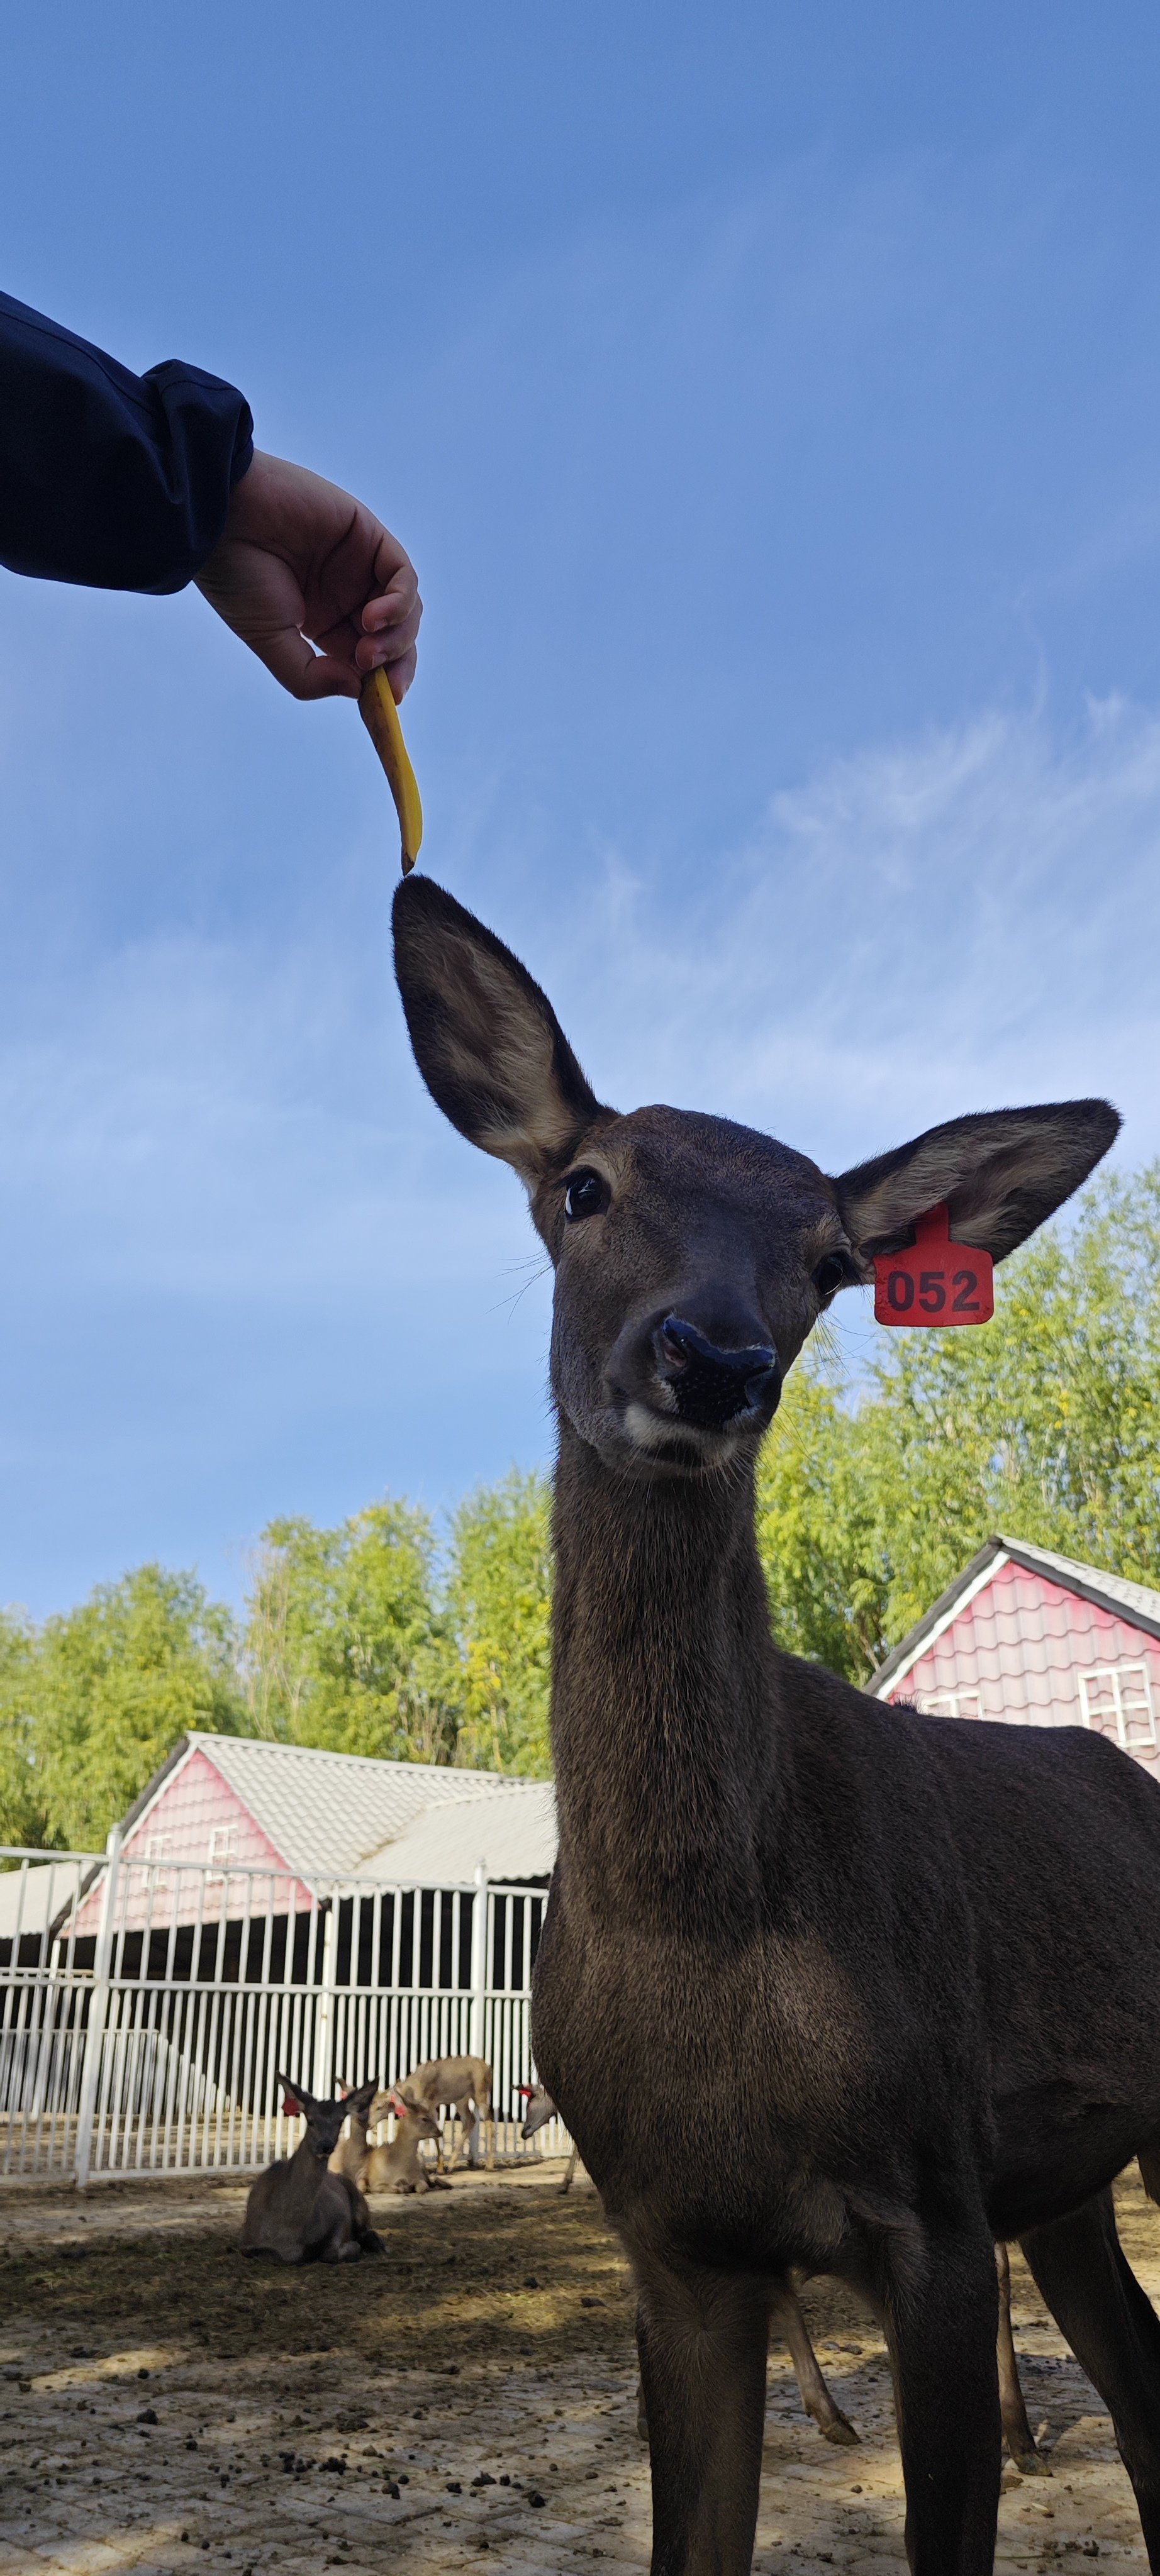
(499,1595)
(344,1646)
(1044,1424)
(105,1692)
(816,1526)
(24,1815)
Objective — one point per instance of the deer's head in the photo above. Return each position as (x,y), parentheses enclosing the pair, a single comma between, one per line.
(692,1256)
(324,2120)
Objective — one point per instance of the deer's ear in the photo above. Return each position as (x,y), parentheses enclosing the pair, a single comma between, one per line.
(291,2098)
(1001,1173)
(361,2101)
(487,1041)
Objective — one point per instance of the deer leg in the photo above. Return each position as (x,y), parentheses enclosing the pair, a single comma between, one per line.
(1017,2431)
(787,2321)
(569,2177)
(1112,2327)
(702,2338)
(939,2310)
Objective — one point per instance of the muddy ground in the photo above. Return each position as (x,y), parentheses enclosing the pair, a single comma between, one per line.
(468,2401)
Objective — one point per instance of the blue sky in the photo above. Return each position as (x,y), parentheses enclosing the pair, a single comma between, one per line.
(771,401)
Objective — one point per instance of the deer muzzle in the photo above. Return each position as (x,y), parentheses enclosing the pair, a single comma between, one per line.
(712,1389)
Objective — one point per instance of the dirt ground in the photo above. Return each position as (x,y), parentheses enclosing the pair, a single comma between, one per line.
(166,2406)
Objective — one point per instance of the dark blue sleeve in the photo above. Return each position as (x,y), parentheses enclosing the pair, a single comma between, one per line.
(115,480)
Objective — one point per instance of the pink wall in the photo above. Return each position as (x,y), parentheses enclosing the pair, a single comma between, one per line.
(1017,1653)
(196,1818)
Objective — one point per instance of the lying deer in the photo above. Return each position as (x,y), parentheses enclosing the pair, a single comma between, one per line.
(895,1943)
(300,2209)
(459,2084)
(398,2166)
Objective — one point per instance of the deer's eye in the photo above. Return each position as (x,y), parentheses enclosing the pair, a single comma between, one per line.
(831,1273)
(586,1195)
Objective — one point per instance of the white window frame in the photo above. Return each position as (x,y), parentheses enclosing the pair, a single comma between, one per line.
(1130,1688)
(222,1847)
(157,1848)
(951,1703)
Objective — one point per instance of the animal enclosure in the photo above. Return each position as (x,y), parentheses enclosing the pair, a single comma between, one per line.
(146,2007)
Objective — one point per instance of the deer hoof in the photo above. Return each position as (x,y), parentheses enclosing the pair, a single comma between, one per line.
(841,2430)
(1030,2464)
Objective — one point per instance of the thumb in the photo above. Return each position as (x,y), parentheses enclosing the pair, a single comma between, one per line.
(305,673)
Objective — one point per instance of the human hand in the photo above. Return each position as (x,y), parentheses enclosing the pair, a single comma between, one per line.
(300,558)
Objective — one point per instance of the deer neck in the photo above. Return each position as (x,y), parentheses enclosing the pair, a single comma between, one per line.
(303,2175)
(663,1740)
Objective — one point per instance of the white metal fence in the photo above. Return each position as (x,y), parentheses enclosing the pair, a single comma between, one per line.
(147,2007)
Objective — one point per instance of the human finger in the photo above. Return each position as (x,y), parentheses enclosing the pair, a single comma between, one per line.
(306,674)
(389,643)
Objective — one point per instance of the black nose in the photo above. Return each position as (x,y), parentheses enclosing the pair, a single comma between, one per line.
(713,1387)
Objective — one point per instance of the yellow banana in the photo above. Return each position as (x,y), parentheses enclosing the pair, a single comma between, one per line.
(381,718)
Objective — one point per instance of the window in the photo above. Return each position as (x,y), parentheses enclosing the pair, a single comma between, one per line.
(961,1703)
(223,1843)
(1116,1700)
(158,1846)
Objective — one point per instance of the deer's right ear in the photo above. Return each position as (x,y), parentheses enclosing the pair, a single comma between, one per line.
(486,1039)
(1000,1173)
(290,2101)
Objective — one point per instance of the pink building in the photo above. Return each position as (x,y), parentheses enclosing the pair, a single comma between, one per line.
(1028,1638)
(233,1826)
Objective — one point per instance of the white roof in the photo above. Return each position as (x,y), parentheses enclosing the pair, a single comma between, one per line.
(511,1828)
(31,1897)
(347,1815)
(1138,1597)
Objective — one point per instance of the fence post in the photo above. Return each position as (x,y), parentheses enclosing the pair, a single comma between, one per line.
(98,2009)
(322,2080)
(479,1929)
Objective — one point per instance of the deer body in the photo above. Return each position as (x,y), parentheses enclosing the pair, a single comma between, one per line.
(300,2210)
(894,1945)
(398,2166)
(458,2083)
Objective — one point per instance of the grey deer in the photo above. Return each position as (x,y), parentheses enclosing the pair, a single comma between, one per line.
(299,2210)
(896,1942)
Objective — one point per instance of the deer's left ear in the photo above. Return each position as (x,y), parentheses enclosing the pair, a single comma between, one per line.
(1000,1173)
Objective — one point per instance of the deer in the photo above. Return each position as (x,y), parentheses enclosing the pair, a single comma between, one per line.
(539,2109)
(894,1942)
(398,2165)
(300,2209)
(350,2155)
(786,2315)
(455,2082)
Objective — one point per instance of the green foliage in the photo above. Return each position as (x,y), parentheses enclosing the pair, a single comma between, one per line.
(1044,1425)
(24,1816)
(344,1646)
(499,1600)
(98,1698)
(816,1526)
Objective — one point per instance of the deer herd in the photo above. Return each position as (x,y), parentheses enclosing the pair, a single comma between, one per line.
(825,1985)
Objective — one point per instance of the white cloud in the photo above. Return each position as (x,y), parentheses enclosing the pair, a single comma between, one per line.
(926,927)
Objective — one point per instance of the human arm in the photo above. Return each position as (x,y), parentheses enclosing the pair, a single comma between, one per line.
(113,480)
(125,482)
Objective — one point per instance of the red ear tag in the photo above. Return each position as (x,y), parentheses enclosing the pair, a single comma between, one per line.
(934,1281)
